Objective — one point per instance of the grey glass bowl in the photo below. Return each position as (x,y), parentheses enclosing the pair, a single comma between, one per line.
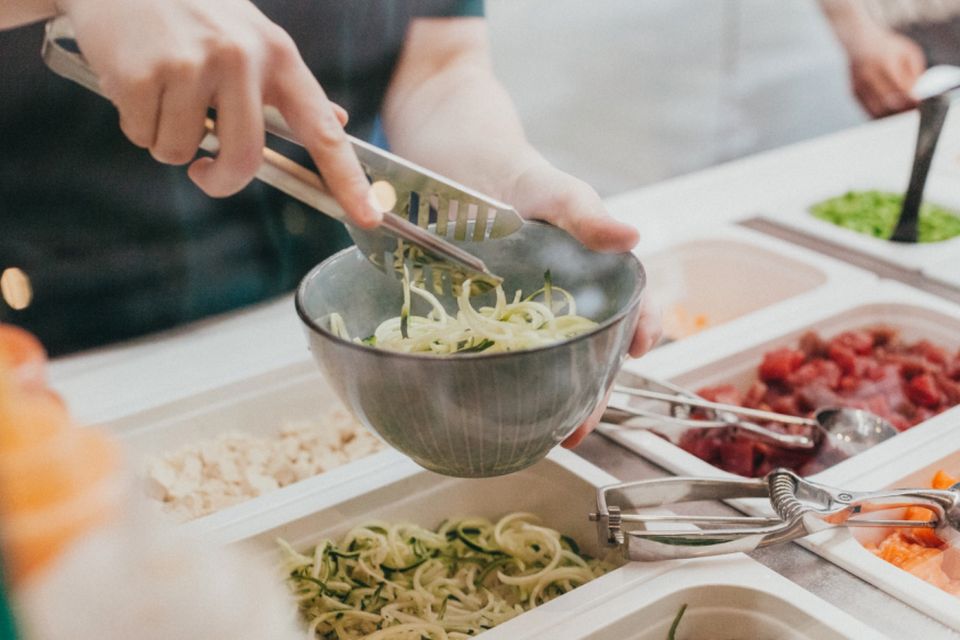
(476,415)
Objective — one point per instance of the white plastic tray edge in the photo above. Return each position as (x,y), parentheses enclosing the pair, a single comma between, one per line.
(736,570)
(675,234)
(272,510)
(293,496)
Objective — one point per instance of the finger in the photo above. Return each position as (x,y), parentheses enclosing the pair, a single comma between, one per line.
(313,119)
(869,99)
(180,127)
(139,105)
(912,66)
(241,134)
(588,425)
(581,213)
(649,328)
(887,90)
(896,96)
(913,63)
(342,116)
(603,233)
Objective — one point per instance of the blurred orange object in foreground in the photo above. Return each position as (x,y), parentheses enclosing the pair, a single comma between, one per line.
(21,352)
(57,482)
(920,551)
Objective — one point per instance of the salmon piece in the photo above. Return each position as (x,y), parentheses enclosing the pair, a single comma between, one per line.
(22,352)
(943,480)
(928,566)
(899,551)
(926,537)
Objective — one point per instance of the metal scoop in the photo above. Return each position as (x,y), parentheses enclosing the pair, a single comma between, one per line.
(850,431)
(800,508)
(461,213)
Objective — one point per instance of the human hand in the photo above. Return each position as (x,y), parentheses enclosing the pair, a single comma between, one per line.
(545,193)
(884,66)
(164,62)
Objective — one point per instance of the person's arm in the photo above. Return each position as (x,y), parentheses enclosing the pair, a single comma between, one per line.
(15,13)
(164,62)
(446,110)
(884,65)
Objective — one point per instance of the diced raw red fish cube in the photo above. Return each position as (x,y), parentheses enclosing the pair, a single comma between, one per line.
(780,363)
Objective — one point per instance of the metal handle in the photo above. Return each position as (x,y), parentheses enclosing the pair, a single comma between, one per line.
(699,403)
(631,418)
(933,113)
(660,539)
(801,507)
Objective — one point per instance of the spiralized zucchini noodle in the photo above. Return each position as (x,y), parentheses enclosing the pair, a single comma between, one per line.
(547,316)
(404,582)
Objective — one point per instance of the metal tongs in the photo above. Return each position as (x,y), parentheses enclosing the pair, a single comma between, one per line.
(461,213)
(801,508)
(849,431)
(682,402)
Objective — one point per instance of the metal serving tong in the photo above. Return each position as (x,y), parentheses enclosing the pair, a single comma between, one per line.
(682,402)
(801,508)
(848,431)
(421,195)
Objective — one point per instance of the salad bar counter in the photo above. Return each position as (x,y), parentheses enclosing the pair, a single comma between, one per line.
(251,447)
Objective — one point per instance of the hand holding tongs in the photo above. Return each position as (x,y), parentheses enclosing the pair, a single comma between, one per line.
(802,507)
(461,213)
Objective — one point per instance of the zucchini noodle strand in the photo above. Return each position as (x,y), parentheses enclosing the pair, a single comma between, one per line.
(523,323)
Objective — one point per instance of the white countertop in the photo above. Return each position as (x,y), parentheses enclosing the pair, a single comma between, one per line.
(108,383)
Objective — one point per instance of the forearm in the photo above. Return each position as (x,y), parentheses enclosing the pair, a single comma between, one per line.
(456,118)
(15,13)
(849,21)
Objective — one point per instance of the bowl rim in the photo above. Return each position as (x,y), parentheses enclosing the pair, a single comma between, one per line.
(635,297)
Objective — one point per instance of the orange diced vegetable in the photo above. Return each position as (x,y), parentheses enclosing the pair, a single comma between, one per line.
(944,480)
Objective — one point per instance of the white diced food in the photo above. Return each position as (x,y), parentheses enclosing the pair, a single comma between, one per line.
(211,475)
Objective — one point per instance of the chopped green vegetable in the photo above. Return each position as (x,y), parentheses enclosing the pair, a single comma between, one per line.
(672,635)
(875,213)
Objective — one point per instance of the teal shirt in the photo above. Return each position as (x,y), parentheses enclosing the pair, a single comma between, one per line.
(8,630)
(116,245)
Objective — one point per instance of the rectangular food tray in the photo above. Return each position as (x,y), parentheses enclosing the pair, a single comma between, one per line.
(698,363)
(794,213)
(845,549)
(256,406)
(729,272)
(561,490)
(638,597)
